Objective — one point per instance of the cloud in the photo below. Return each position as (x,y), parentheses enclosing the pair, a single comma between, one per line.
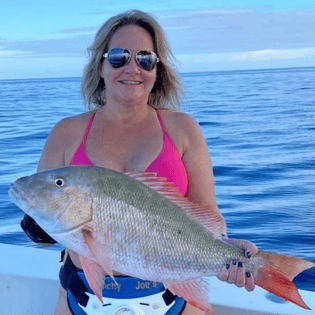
(273,54)
(74,46)
(202,40)
(8,53)
(196,31)
(163,15)
(79,30)
(214,31)
(267,58)
(177,27)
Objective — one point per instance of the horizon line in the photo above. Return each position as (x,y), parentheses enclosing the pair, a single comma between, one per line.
(180,73)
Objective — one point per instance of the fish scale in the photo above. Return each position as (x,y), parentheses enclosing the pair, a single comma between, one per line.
(170,248)
(138,224)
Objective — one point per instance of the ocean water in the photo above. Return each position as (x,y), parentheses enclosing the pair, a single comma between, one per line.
(258,125)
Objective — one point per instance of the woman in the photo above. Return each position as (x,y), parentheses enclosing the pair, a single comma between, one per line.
(131,81)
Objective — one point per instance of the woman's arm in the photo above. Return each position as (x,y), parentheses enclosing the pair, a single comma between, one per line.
(53,154)
(201,190)
(201,187)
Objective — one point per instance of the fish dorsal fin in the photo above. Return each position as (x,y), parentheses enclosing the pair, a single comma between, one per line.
(213,221)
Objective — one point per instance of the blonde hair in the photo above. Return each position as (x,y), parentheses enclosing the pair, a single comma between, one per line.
(167,90)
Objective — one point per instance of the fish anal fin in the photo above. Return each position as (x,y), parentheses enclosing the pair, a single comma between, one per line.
(100,251)
(210,219)
(195,292)
(276,274)
(95,276)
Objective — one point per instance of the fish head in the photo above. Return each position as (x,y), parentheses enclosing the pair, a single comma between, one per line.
(59,200)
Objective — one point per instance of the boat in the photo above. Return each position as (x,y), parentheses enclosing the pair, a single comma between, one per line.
(29,284)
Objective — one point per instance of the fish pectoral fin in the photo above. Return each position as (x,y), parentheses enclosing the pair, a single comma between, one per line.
(95,276)
(100,251)
(195,292)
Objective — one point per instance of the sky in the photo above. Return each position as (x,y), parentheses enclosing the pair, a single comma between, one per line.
(43,39)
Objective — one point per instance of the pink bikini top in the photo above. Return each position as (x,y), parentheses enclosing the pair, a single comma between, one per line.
(167,164)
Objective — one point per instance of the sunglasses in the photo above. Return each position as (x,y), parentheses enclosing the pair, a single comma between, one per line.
(118,57)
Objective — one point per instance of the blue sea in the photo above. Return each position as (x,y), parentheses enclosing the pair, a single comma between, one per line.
(260,129)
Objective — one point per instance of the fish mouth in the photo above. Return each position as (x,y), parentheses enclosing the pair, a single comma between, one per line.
(17,197)
(14,193)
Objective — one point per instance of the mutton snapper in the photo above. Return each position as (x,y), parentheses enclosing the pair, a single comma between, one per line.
(139,225)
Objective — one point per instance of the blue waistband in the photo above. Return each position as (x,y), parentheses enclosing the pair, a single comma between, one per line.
(75,283)
(126,287)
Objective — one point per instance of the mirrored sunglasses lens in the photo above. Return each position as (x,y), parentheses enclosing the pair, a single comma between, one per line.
(118,57)
(146,60)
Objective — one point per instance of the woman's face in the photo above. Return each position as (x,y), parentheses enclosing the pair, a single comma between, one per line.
(130,83)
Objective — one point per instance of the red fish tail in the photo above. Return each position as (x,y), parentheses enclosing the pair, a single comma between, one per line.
(276,274)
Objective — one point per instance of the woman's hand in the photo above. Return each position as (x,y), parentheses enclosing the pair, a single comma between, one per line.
(234,272)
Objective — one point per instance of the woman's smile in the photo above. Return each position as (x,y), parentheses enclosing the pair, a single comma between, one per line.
(131,82)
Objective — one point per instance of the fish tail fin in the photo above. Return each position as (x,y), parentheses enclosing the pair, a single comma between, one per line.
(195,292)
(276,273)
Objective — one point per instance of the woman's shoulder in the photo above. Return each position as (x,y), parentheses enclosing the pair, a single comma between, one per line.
(74,121)
(68,130)
(180,119)
(72,126)
(60,140)
(179,122)
(181,127)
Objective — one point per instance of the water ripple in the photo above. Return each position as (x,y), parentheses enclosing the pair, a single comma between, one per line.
(258,125)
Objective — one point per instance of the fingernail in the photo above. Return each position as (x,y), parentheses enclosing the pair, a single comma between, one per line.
(248,255)
(234,262)
(227,266)
(240,264)
(248,274)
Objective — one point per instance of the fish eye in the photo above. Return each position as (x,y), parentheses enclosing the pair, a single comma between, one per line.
(59,182)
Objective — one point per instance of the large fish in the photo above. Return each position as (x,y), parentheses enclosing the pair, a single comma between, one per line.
(140,225)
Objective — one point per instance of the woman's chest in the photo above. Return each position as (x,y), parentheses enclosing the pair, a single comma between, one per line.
(125,150)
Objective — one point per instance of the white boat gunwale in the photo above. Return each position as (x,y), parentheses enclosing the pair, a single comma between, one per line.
(29,284)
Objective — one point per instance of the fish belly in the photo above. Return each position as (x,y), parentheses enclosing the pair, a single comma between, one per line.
(151,244)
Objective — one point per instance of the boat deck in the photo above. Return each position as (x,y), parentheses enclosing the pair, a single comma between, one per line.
(29,285)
